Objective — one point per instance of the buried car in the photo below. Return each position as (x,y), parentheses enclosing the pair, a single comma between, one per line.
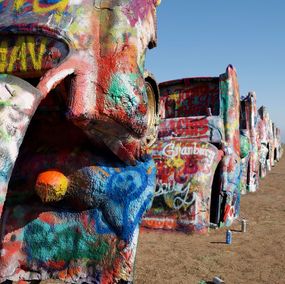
(277,145)
(278,152)
(77,115)
(197,154)
(266,140)
(250,141)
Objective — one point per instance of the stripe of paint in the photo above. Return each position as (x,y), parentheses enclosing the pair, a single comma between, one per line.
(18,51)
(36,60)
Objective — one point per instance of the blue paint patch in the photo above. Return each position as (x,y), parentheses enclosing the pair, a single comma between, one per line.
(123,195)
(132,184)
(101,224)
(6,167)
(49,2)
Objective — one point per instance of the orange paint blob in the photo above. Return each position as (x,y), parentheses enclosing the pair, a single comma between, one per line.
(51,186)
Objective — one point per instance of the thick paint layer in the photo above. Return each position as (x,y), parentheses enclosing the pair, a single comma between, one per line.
(182,197)
(84,152)
(198,154)
(250,161)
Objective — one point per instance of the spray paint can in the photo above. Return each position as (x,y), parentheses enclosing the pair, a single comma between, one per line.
(228,237)
(243,225)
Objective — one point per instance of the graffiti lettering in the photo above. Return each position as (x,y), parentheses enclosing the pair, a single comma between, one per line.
(183,200)
(19,52)
(181,195)
(30,53)
(165,188)
(171,150)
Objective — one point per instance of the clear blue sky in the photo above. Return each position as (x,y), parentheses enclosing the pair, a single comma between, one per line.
(201,37)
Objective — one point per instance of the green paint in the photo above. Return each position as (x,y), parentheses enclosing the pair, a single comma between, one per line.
(63,242)
(244,146)
(4,135)
(224,97)
(117,90)
(122,90)
(5,103)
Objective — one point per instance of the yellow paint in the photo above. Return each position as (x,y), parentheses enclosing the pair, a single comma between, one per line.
(174,97)
(36,59)
(3,56)
(175,163)
(19,52)
(18,4)
(60,6)
(149,170)
(37,8)
(51,186)
(118,170)
(57,17)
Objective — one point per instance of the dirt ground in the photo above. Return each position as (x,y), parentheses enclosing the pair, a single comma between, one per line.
(257,256)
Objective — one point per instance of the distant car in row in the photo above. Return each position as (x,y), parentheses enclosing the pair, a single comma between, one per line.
(250,140)
(270,142)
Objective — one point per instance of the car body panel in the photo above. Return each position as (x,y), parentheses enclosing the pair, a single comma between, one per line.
(182,197)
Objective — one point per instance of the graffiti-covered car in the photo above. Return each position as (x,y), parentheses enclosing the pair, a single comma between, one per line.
(197,154)
(249,144)
(277,145)
(77,115)
(266,140)
(278,150)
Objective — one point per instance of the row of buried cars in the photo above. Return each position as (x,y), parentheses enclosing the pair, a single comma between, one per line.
(212,147)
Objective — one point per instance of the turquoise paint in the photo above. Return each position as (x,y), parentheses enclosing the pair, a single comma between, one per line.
(121,90)
(63,242)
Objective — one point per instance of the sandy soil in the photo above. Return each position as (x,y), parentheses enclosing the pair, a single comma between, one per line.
(257,256)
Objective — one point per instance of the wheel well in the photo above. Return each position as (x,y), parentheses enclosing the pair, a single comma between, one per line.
(275,154)
(215,209)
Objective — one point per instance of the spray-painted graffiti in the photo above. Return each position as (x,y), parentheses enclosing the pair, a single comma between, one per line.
(198,100)
(250,161)
(245,150)
(29,54)
(37,6)
(200,131)
(183,190)
(266,155)
(113,200)
(278,145)
(82,178)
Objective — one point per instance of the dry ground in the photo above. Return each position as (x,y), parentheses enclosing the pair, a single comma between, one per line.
(257,256)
